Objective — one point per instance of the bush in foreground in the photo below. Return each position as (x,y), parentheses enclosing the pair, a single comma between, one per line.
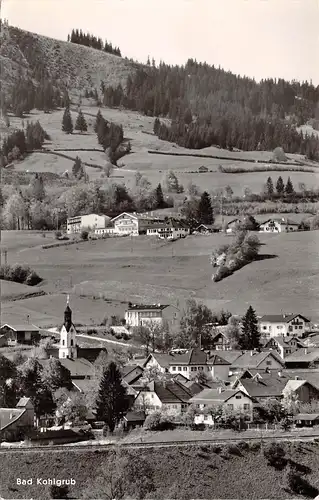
(294,482)
(275,455)
(158,421)
(19,274)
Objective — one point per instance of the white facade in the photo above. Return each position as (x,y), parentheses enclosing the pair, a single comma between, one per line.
(126,224)
(296,326)
(238,402)
(68,347)
(143,316)
(91,222)
(220,372)
(168,232)
(149,402)
(278,226)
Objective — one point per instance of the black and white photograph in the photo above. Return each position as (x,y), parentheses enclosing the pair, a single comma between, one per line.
(159,249)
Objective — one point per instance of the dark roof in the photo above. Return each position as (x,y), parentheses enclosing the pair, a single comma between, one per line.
(78,367)
(10,415)
(136,307)
(21,328)
(164,360)
(231,355)
(252,359)
(285,221)
(135,416)
(303,355)
(307,416)
(171,391)
(281,318)
(85,385)
(207,226)
(90,353)
(215,359)
(193,357)
(311,375)
(258,388)
(285,341)
(215,396)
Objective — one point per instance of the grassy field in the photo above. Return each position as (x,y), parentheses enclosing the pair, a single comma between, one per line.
(153,166)
(189,472)
(102,276)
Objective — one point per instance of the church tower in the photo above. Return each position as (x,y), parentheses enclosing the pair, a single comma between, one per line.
(68,347)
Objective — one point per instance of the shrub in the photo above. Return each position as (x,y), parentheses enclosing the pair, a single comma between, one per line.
(91,330)
(59,491)
(243,445)
(275,455)
(255,446)
(84,235)
(57,235)
(158,421)
(216,449)
(19,274)
(299,485)
(232,449)
(32,279)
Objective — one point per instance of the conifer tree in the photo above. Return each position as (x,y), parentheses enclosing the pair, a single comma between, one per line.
(37,188)
(112,401)
(270,186)
(98,120)
(159,197)
(250,335)
(80,123)
(67,124)
(280,187)
(205,210)
(77,169)
(156,126)
(289,189)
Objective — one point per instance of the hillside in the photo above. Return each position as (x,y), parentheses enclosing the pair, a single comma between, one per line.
(189,471)
(79,67)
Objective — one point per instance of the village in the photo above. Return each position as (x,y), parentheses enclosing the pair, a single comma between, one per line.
(273,383)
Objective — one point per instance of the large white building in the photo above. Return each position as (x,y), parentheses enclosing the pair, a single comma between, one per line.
(278,226)
(139,314)
(287,325)
(90,222)
(170,229)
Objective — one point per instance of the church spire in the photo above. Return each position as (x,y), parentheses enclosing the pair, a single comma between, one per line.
(67,315)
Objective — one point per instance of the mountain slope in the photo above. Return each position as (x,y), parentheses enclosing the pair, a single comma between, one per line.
(23,53)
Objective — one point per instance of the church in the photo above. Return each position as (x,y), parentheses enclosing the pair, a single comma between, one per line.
(78,360)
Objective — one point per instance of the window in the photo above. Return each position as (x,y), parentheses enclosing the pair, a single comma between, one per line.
(238,396)
(230,406)
(179,368)
(268,362)
(264,327)
(63,342)
(184,368)
(246,406)
(174,368)
(71,342)
(300,327)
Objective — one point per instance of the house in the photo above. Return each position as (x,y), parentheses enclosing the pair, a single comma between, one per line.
(220,340)
(196,361)
(304,391)
(91,222)
(170,396)
(12,420)
(159,361)
(284,345)
(260,389)
(132,374)
(306,420)
(133,419)
(130,224)
(231,226)
(278,226)
(139,314)
(254,360)
(3,340)
(206,229)
(202,169)
(171,229)
(20,334)
(307,357)
(274,325)
(230,399)
(120,330)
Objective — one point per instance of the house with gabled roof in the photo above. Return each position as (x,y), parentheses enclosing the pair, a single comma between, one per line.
(275,325)
(230,399)
(14,419)
(170,396)
(20,333)
(196,361)
(246,360)
(307,357)
(278,226)
(284,345)
(231,226)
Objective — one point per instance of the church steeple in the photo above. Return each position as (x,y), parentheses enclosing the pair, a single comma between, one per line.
(67,316)
(68,348)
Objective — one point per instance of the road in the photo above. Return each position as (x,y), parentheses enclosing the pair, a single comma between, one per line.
(102,339)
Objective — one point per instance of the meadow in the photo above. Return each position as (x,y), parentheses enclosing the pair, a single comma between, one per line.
(138,129)
(189,471)
(102,276)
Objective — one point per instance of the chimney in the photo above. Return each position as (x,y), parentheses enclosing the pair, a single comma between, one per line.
(220,390)
(306,350)
(296,377)
(11,416)
(251,353)
(279,374)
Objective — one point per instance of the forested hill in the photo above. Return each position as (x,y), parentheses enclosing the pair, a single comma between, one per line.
(211,106)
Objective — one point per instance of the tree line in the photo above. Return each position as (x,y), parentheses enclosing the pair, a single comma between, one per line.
(88,40)
(16,145)
(209,106)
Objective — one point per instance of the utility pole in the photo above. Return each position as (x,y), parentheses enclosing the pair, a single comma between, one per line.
(221,211)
